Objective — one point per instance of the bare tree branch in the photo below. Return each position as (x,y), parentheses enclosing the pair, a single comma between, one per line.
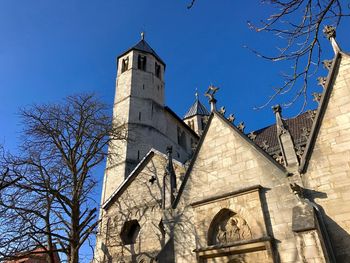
(297,24)
(49,205)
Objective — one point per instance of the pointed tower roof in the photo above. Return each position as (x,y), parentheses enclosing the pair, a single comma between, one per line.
(197,109)
(143,46)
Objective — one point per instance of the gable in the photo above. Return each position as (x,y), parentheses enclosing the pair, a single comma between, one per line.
(326,166)
(144,184)
(137,203)
(230,172)
(227,160)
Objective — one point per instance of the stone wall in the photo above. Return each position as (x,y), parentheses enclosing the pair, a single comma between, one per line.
(139,105)
(327,177)
(228,163)
(141,201)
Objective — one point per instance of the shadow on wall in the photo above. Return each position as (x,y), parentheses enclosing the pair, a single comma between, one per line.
(267,218)
(149,216)
(108,257)
(339,238)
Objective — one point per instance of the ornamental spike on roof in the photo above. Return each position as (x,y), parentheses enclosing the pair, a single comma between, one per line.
(197,109)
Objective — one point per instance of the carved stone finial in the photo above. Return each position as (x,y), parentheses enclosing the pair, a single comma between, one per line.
(322,81)
(169,150)
(317,97)
(241,126)
(264,145)
(276,109)
(300,151)
(252,135)
(231,118)
(196,94)
(329,32)
(305,132)
(327,64)
(279,158)
(142,35)
(312,114)
(222,110)
(210,94)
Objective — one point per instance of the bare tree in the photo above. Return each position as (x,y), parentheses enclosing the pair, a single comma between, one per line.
(6,180)
(50,206)
(298,24)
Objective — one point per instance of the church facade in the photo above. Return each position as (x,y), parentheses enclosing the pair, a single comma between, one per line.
(200,189)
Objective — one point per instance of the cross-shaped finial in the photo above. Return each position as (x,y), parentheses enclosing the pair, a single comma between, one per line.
(210,94)
(196,94)
(142,35)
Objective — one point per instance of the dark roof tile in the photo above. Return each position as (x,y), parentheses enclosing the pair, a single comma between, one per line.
(143,46)
(197,109)
(295,127)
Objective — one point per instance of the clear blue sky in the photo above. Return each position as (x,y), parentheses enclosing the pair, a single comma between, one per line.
(50,49)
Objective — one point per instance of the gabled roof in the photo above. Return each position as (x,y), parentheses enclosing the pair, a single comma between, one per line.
(197,109)
(202,138)
(142,164)
(143,46)
(296,126)
(129,179)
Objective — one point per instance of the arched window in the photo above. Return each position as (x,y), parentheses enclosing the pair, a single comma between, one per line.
(129,232)
(227,227)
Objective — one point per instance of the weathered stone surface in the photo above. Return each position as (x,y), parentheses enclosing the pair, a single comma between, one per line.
(328,174)
(234,204)
(303,217)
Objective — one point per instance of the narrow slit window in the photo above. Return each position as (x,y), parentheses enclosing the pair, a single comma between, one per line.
(141,62)
(125,64)
(157,70)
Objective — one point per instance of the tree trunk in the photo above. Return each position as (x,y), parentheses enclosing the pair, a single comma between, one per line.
(75,233)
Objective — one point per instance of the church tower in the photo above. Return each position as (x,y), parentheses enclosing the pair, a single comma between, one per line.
(196,117)
(139,105)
